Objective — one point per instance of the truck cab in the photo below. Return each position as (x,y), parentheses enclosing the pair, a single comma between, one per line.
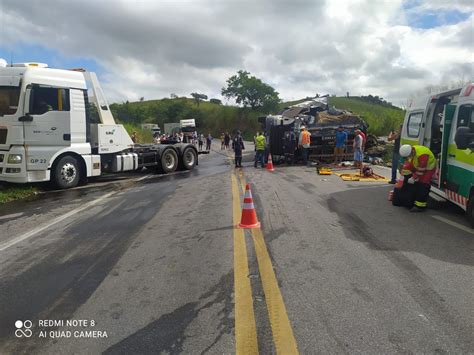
(42,115)
(444,122)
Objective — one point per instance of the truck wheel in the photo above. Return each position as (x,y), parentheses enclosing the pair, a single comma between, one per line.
(169,161)
(189,159)
(66,173)
(470,210)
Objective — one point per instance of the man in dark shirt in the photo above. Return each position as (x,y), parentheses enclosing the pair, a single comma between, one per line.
(395,136)
(238,146)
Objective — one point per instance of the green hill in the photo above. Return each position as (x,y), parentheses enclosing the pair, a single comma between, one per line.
(215,118)
(381,118)
(210,117)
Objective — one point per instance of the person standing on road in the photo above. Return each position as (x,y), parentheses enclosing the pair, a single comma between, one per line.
(222,141)
(395,136)
(208,142)
(304,143)
(357,145)
(422,163)
(341,138)
(238,147)
(226,140)
(200,141)
(259,149)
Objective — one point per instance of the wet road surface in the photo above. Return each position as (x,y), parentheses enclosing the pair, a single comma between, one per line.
(154,262)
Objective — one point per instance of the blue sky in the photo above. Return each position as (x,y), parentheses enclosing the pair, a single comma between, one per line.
(25,52)
(431,19)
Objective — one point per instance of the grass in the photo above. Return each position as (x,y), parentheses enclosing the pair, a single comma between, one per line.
(210,117)
(16,192)
(144,135)
(381,119)
(215,118)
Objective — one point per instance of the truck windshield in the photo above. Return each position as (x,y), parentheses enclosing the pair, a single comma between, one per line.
(188,129)
(9,97)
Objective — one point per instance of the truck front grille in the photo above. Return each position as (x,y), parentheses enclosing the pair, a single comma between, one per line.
(3,135)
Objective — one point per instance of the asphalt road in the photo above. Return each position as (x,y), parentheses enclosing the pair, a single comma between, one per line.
(156,263)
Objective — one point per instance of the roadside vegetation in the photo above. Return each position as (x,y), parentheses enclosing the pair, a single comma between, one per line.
(9,192)
(143,135)
(216,118)
(210,117)
(381,117)
(255,98)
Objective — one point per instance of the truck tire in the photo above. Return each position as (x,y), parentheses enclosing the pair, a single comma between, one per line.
(66,173)
(169,161)
(470,210)
(189,159)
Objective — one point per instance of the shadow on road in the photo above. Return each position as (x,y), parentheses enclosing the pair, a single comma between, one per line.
(371,219)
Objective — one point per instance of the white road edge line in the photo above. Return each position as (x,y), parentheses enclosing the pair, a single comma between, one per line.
(53,222)
(454,224)
(159,176)
(13,215)
(143,178)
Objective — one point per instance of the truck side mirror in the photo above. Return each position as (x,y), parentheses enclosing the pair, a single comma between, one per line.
(464,138)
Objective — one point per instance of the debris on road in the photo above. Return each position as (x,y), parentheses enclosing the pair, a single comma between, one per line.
(363,178)
(324,171)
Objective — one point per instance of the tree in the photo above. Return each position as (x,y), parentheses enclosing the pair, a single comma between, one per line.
(198,97)
(250,91)
(142,99)
(173,96)
(215,101)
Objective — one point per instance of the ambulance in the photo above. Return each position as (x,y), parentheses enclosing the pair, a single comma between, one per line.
(444,122)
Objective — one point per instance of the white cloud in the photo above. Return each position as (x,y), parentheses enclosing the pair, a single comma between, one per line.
(152,49)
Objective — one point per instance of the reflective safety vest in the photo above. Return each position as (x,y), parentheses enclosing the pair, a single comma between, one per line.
(260,142)
(305,138)
(423,160)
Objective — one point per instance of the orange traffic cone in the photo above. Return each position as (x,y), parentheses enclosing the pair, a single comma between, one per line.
(249,215)
(270,163)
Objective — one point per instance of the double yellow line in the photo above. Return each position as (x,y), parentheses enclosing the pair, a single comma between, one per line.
(245,326)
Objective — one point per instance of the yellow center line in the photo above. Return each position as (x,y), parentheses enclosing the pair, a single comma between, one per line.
(285,342)
(245,327)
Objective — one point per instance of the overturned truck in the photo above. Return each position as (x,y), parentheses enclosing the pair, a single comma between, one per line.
(322,122)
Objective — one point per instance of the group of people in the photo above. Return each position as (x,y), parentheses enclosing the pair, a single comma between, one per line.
(358,146)
(225,140)
(201,139)
(238,147)
(416,163)
(303,143)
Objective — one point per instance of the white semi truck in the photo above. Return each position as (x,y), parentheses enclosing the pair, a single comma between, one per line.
(51,130)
